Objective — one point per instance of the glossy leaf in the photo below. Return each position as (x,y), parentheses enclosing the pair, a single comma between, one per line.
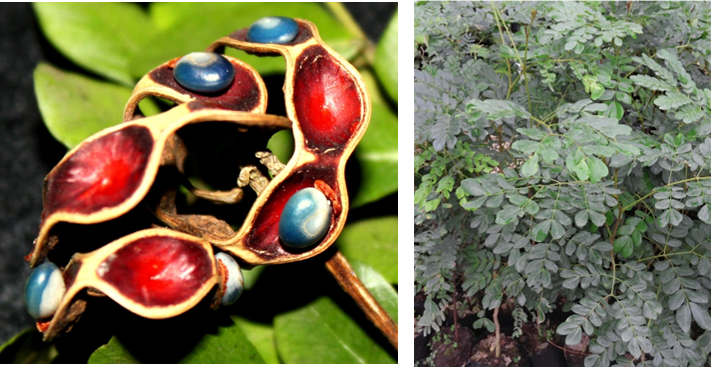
(530,168)
(101,37)
(577,163)
(27,347)
(377,152)
(598,169)
(373,242)
(227,345)
(380,288)
(701,315)
(386,66)
(683,317)
(320,332)
(507,215)
(75,107)
(261,336)
(623,245)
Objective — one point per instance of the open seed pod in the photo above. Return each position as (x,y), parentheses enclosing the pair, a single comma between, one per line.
(155,273)
(109,173)
(329,105)
(235,86)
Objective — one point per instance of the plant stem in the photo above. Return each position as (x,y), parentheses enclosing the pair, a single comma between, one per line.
(456,327)
(497,342)
(342,271)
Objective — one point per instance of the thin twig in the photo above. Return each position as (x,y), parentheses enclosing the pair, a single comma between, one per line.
(342,271)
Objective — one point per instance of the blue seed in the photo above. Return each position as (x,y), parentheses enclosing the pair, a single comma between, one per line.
(44,290)
(205,72)
(235,281)
(305,218)
(273,30)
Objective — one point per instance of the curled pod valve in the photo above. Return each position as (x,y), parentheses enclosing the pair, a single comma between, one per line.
(327,101)
(110,172)
(213,79)
(155,273)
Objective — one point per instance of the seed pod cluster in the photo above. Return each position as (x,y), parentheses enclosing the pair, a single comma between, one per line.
(163,272)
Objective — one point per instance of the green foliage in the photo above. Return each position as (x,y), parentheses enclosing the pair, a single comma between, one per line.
(593,120)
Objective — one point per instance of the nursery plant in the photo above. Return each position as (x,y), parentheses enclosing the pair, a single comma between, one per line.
(563,162)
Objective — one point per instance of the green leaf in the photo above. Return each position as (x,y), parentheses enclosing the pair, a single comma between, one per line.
(320,332)
(535,134)
(531,207)
(574,337)
(683,318)
(557,230)
(690,113)
(224,345)
(703,214)
(626,149)
(507,215)
(596,91)
(261,336)
(473,187)
(576,162)
(498,109)
(377,152)
(581,218)
(530,168)
(676,66)
(27,347)
(374,242)
(101,37)
(432,205)
(548,150)
(380,288)
(597,218)
(701,315)
(386,66)
(625,87)
(615,111)
(525,146)
(636,238)
(599,150)
(598,169)
(540,230)
(569,326)
(670,216)
(605,125)
(474,204)
(495,201)
(623,97)
(651,82)
(623,245)
(671,100)
(75,107)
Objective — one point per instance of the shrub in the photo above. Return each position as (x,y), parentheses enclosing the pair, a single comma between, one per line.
(563,154)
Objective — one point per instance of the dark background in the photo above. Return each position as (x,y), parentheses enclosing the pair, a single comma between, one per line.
(28,152)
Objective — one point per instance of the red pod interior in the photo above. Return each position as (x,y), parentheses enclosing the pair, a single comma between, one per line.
(158,271)
(264,237)
(327,100)
(101,174)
